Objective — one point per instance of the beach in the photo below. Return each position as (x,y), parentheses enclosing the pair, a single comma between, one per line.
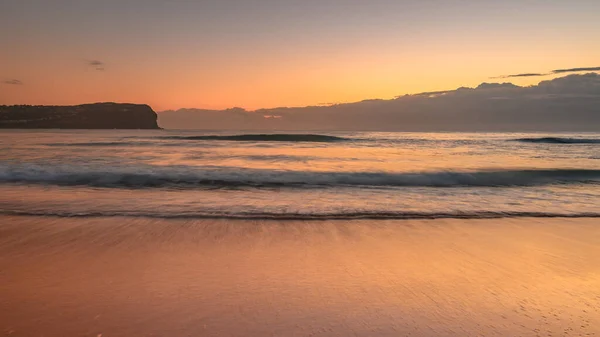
(120,276)
(278,168)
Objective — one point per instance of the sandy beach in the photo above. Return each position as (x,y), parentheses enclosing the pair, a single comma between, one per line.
(282,168)
(144,277)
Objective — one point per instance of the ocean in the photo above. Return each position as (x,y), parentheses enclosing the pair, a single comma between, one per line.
(206,233)
(186,174)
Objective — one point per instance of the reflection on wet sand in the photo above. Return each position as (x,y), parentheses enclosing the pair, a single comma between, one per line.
(143,277)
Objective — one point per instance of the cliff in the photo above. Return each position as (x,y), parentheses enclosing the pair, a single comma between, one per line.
(87,116)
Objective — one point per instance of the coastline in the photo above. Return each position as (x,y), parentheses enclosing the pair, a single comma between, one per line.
(144,277)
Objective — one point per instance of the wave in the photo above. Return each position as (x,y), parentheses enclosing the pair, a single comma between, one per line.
(265,138)
(559,140)
(306,216)
(222,177)
(113,144)
(100,144)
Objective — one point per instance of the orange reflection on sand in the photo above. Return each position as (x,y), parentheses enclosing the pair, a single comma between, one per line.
(445,277)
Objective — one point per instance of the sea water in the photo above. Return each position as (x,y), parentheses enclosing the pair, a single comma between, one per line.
(327,175)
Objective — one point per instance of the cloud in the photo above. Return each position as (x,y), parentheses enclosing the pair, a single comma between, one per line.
(97,65)
(568,103)
(13,82)
(521,75)
(552,72)
(574,70)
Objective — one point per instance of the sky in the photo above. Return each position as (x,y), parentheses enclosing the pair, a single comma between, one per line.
(270,53)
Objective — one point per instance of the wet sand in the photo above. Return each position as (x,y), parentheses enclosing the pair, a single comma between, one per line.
(143,277)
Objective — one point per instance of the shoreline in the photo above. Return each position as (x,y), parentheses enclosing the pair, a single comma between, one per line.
(319,217)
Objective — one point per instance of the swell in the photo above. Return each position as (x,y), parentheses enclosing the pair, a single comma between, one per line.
(218,177)
(100,144)
(307,216)
(265,138)
(559,140)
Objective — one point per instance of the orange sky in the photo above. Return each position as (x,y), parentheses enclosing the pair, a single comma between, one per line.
(348,52)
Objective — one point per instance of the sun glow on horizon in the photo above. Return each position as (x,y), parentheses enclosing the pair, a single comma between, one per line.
(279,54)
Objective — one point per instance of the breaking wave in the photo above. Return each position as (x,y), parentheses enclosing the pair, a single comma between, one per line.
(222,177)
(559,140)
(305,216)
(265,138)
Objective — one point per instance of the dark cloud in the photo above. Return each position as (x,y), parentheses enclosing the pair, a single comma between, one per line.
(552,72)
(521,75)
(13,82)
(574,70)
(97,65)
